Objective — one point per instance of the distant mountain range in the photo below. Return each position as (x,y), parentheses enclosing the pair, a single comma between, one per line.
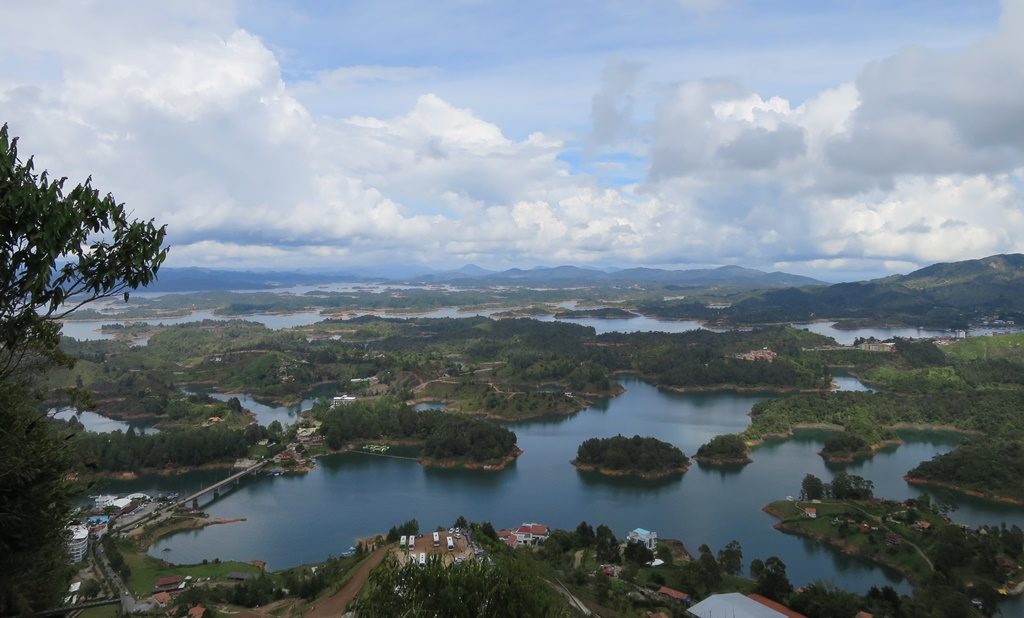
(947,295)
(575,276)
(203,279)
(171,279)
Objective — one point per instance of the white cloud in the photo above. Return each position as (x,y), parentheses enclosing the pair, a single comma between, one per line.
(186,117)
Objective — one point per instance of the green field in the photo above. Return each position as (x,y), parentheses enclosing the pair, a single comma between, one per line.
(1000,346)
(145,569)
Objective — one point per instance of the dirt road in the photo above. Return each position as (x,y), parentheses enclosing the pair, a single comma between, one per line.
(335,605)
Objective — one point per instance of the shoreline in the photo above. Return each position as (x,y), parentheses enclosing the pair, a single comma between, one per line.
(782,526)
(975,493)
(144,540)
(647,476)
(722,461)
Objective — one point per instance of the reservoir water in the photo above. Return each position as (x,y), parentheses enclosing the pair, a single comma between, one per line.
(292,520)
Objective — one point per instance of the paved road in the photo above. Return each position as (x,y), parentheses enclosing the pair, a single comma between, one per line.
(128,603)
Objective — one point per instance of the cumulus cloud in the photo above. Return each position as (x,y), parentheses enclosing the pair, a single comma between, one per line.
(611,108)
(187,118)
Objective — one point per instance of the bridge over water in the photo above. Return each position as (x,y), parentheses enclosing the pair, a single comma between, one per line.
(234,478)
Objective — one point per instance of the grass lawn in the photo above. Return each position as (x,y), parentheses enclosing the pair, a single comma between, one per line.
(146,568)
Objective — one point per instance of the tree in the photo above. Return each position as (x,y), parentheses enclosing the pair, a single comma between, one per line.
(772,581)
(58,251)
(711,571)
(606,545)
(812,488)
(584,535)
(730,558)
(637,553)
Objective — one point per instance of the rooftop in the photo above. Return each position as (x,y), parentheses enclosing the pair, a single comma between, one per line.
(735,605)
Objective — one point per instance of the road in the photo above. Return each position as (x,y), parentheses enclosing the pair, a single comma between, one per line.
(128,602)
(335,604)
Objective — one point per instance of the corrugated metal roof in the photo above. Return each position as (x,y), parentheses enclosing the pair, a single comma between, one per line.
(732,605)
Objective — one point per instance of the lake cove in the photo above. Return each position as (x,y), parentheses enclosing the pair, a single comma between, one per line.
(292,520)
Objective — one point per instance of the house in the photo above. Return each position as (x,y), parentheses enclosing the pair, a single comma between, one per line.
(342,400)
(646,538)
(811,512)
(877,346)
(169,583)
(161,599)
(197,612)
(673,594)
(508,537)
(779,607)
(531,533)
(922,525)
(735,605)
(764,354)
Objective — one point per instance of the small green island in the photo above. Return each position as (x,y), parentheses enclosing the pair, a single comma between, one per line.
(643,457)
(446,440)
(845,447)
(723,450)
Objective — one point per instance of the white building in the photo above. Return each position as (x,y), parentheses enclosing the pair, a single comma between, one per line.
(78,542)
(531,533)
(647,538)
(342,400)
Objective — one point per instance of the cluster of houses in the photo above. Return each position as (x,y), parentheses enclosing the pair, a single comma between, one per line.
(764,354)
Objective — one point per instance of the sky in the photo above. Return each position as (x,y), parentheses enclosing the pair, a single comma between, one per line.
(840,139)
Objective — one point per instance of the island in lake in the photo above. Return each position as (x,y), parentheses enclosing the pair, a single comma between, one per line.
(643,457)
(726,449)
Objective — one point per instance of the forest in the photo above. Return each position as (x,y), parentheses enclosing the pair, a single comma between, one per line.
(990,465)
(636,455)
(724,449)
(127,451)
(445,437)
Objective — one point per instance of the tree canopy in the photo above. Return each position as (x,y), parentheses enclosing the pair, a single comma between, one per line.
(58,250)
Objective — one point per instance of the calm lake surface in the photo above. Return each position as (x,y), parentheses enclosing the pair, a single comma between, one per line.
(301,519)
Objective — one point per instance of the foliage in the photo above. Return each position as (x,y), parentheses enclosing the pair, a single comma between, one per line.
(637,553)
(844,444)
(34,505)
(444,436)
(812,488)
(410,527)
(771,578)
(637,455)
(58,251)
(122,451)
(730,558)
(990,465)
(606,546)
(41,225)
(506,586)
(726,447)
(871,415)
